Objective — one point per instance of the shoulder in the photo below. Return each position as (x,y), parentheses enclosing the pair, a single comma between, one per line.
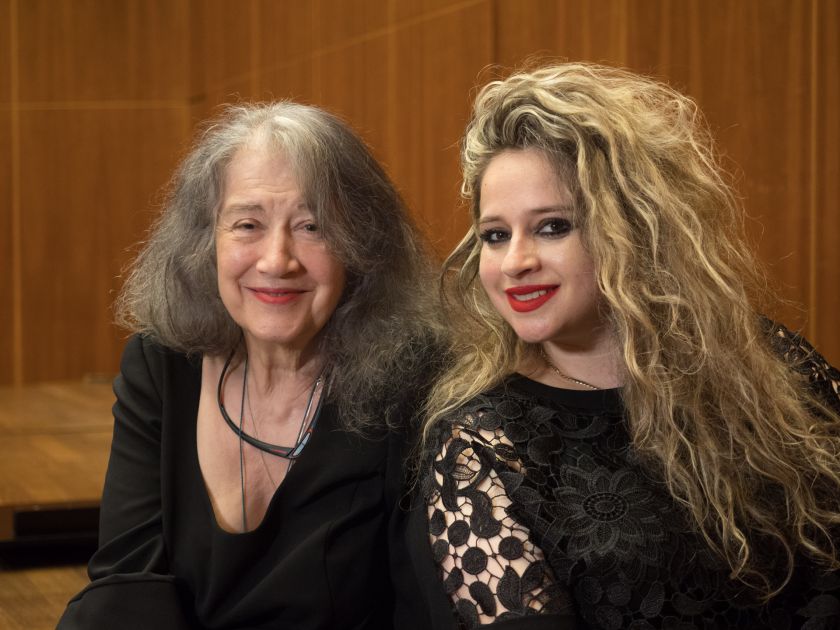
(794,348)
(475,441)
(798,353)
(142,348)
(149,369)
(490,418)
(143,352)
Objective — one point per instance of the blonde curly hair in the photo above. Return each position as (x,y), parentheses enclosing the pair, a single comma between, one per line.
(734,432)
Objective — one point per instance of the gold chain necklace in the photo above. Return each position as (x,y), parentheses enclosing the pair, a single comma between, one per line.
(564,376)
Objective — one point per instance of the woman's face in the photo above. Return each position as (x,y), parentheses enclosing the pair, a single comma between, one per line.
(533,264)
(277,278)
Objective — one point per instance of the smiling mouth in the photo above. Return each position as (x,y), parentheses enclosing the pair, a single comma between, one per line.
(277,296)
(525,297)
(529,298)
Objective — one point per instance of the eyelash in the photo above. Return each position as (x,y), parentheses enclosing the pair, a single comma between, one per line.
(250,226)
(561,227)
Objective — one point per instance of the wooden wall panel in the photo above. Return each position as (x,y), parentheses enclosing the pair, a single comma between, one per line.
(657,39)
(86,196)
(736,75)
(100,113)
(6,32)
(79,50)
(435,63)
(824,180)
(285,38)
(340,22)
(7,245)
(222,55)
(425,9)
(109,92)
(351,64)
(296,80)
(354,84)
(564,29)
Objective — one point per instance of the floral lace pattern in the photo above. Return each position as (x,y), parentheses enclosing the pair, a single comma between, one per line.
(537,506)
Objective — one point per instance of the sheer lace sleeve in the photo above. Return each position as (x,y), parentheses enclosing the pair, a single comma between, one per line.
(490,567)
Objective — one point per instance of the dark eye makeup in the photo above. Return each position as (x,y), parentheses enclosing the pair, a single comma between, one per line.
(493,235)
(553,227)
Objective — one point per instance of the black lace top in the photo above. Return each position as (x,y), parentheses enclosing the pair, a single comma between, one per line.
(538,507)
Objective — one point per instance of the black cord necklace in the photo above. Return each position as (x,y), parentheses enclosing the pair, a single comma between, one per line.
(287,452)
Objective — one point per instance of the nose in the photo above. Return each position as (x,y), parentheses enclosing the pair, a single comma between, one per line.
(277,257)
(520,257)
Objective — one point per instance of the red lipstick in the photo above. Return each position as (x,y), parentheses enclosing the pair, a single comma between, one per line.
(276,296)
(530,297)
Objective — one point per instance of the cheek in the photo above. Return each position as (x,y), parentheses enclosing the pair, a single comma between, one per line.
(329,272)
(231,260)
(488,271)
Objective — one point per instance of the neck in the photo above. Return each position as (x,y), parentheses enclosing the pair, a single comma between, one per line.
(597,364)
(290,368)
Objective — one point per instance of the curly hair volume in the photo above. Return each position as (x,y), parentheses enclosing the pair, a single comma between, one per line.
(737,436)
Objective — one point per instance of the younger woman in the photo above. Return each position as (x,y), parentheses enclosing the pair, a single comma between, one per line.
(623,440)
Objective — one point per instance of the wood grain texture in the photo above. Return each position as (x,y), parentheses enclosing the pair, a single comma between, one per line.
(285,39)
(747,109)
(339,22)
(436,62)
(296,80)
(82,50)
(8,304)
(105,170)
(562,30)
(101,83)
(355,85)
(34,599)
(56,407)
(824,308)
(101,111)
(54,444)
(404,12)
(283,33)
(6,30)
(53,470)
(222,55)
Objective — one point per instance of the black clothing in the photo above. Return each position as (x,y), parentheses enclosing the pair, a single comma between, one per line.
(318,560)
(541,514)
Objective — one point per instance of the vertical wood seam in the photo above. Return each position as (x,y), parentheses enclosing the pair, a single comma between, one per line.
(17,293)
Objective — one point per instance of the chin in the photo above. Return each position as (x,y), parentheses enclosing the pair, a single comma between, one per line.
(532,336)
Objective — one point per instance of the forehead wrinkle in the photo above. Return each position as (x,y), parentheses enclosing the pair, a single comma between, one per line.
(240,208)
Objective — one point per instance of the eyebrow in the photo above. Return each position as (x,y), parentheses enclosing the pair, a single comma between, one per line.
(565,208)
(240,207)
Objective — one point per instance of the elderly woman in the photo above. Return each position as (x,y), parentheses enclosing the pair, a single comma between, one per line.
(623,441)
(278,307)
